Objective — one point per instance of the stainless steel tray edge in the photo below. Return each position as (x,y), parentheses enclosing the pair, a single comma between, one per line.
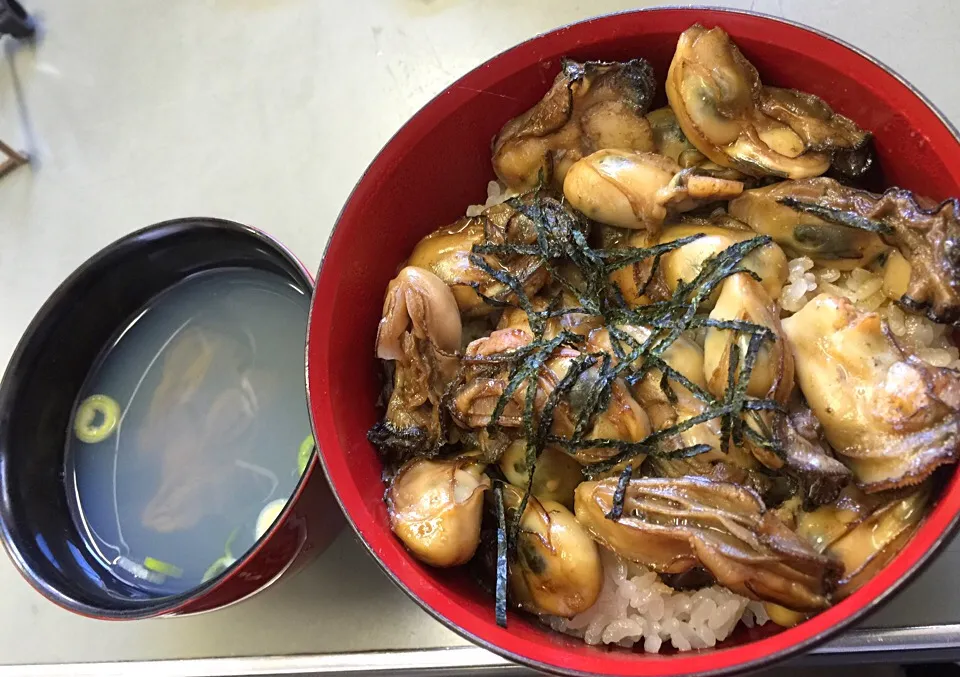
(934,643)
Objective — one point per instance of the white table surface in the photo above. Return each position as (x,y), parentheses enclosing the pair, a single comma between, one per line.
(266,112)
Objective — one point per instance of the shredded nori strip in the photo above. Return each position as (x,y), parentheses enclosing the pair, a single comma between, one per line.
(616,511)
(501,588)
(838,217)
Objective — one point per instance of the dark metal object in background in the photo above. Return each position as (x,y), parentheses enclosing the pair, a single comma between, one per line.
(11,159)
(14,20)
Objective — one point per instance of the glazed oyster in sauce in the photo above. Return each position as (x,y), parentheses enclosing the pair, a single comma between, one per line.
(601,361)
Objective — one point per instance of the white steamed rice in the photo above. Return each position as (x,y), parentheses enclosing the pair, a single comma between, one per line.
(636,606)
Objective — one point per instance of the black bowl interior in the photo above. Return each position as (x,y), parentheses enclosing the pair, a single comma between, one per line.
(44,377)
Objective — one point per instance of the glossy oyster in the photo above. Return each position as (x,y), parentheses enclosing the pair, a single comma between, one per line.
(685,263)
(726,352)
(665,411)
(419,335)
(591,105)
(436,508)
(633,189)
(727,114)
(674,525)
(556,476)
(804,233)
(890,417)
(474,401)
(669,139)
(863,532)
(926,234)
(637,282)
(557,567)
(447,253)
(809,461)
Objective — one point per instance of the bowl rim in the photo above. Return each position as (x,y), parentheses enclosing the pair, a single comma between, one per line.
(180,603)
(776,656)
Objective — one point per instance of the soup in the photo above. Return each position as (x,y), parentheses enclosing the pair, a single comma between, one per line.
(192,431)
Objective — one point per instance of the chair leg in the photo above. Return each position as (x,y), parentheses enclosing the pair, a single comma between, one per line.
(10,159)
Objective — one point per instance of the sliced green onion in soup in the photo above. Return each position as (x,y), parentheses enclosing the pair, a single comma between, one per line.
(162,567)
(96,419)
(217,568)
(303,456)
(222,563)
(271,511)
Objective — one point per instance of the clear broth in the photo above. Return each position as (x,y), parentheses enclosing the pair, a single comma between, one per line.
(211,416)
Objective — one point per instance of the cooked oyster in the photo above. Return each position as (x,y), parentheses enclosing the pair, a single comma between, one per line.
(420,335)
(556,475)
(637,283)
(820,128)
(474,402)
(633,189)
(744,299)
(557,567)
(418,303)
(447,254)
(725,112)
(669,139)
(820,476)
(685,263)
(726,352)
(436,507)
(664,411)
(674,525)
(802,233)
(590,106)
(863,532)
(926,234)
(890,417)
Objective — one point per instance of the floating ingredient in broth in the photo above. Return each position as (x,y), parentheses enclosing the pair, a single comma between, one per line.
(305,453)
(212,375)
(162,567)
(590,106)
(891,418)
(96,419)
(271,511)
(218,567)
(196,440)
(223,562)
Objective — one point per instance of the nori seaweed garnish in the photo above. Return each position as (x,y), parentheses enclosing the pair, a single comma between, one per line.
(560,236)
(838,217)
(616,511)
(501,590)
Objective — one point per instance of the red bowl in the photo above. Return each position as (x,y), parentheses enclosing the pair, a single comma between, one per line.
(439,163)
(37,395)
